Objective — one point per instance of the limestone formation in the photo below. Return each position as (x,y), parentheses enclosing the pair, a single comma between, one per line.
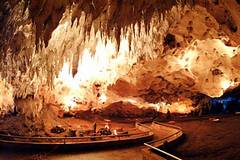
(160,52)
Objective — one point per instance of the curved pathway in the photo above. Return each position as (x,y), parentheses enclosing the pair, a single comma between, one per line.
(164,133)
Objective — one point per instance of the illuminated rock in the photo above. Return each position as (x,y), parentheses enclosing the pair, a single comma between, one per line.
(156,56)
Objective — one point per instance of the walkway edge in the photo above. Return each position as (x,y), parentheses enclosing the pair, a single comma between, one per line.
(148,153)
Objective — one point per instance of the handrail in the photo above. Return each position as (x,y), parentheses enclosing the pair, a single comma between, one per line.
(166,138)
(140,124)
(178,132)
(85,137)
(171,137)
(168,125)
(12,138)
(164,152)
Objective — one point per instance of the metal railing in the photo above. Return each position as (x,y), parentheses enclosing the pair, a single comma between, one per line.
(160,142)
(76,140)
(163,152)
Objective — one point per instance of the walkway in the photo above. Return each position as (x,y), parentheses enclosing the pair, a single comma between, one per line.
(162,132)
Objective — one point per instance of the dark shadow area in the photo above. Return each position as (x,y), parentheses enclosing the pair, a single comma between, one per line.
(229,102)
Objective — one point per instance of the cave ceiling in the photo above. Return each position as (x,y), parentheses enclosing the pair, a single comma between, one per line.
(169,49)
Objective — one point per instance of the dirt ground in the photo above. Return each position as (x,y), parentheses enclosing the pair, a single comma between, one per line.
(208,140)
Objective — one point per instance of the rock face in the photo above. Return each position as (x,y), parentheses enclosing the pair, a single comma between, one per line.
(161,51)
(127,110)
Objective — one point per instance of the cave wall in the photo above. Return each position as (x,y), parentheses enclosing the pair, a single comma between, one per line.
(169,43)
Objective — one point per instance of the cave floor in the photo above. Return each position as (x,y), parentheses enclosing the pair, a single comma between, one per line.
(210,140)
(205,139)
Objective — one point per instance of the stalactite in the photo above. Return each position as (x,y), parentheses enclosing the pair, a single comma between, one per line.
(79,43)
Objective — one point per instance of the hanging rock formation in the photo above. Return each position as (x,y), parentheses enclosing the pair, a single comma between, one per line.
(159,51)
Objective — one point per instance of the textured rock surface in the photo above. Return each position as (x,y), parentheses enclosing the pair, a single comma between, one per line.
(127,110)
(156,50)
